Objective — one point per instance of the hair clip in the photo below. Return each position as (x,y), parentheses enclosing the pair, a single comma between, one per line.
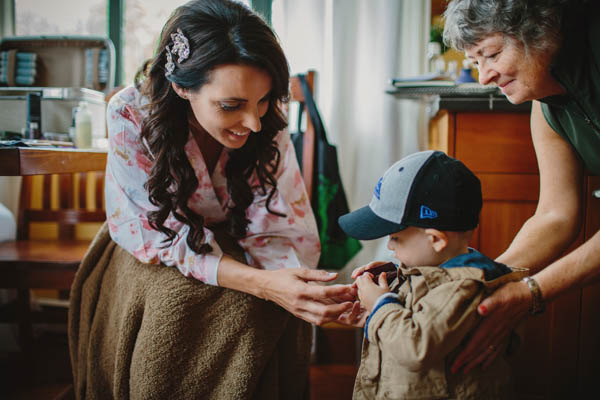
(181,46)
(170,65)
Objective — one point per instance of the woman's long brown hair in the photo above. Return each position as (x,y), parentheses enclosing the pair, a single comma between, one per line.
(219,32)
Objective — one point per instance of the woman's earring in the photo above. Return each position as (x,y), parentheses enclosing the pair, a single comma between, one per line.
(181,92)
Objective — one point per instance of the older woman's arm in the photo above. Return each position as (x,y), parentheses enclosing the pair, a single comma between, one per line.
(557,218)
(540,241)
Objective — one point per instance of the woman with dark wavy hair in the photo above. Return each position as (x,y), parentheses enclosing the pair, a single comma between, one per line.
(547,51)
(202,176)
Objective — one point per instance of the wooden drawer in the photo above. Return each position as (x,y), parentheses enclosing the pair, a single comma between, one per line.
(589,346)
(509,187)
(495,142)
(508,201)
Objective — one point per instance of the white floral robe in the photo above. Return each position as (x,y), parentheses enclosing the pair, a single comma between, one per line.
(271,242)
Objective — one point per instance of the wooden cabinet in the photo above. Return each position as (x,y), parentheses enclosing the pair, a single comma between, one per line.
(589,339)
(560,351)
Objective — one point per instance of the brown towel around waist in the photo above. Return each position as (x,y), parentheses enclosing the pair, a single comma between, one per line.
(146,331)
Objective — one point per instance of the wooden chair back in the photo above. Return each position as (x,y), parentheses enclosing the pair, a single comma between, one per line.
(61,207)
(50,244)
(308,143)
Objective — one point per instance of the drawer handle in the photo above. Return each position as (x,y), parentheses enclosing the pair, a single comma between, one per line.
(596,193)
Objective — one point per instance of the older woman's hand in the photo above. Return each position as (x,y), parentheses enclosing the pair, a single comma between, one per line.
(502,311)
(295,290)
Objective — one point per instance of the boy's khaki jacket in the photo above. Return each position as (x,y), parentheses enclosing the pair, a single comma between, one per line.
(411,345)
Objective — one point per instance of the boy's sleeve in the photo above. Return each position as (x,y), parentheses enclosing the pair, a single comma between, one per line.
(438,322)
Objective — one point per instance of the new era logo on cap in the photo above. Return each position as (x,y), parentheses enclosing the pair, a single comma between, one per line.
(427,212)
(426,189)
(376,192)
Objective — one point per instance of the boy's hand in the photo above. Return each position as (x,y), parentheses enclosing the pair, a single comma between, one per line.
(360,270)
(356,317)
(369,291)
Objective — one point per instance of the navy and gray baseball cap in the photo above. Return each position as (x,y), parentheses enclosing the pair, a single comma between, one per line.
(427,189)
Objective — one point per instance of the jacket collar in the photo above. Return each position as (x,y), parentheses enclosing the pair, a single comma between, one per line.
(472,265)
(491,269)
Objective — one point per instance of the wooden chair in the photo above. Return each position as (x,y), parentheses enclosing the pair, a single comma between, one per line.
(49,248)
(308,143)
(57,218)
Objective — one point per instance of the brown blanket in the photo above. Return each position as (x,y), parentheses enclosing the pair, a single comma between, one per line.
(145,331)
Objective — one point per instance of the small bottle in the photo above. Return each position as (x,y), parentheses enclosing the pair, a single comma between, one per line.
(72,127)
(83,126)
(452,69)
(435,61)
(34,116)
(465,73)
(34,132)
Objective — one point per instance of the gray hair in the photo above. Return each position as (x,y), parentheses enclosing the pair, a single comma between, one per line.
(536,24)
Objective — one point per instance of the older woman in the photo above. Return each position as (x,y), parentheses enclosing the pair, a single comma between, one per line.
(545,51)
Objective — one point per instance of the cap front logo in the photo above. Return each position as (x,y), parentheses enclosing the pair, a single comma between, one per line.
(428,213)
(377,190)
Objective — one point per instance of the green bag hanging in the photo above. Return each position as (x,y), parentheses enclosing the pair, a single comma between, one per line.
(328,197)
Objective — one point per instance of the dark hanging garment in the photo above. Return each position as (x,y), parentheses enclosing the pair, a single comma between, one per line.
(328,197)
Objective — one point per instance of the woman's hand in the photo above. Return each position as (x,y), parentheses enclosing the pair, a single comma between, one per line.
(356,317)
(502,311)
(369,291)
(295,289)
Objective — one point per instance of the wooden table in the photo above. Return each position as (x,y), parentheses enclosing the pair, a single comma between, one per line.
(19,161)
(26,264)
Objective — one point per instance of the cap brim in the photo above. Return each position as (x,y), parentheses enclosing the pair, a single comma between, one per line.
(364,224)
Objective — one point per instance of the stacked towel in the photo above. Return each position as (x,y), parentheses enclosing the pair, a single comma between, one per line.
(24,69)
(100,68)
(103,66)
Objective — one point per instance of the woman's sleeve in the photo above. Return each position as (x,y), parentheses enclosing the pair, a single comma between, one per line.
(127,202)
(292,241)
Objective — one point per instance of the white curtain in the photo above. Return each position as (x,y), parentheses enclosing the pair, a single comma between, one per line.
(7,18)
(356,46)
(9,186)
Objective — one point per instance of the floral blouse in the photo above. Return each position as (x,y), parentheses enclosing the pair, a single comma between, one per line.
(272,242)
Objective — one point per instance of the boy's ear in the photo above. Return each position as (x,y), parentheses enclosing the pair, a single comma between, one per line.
(437,239)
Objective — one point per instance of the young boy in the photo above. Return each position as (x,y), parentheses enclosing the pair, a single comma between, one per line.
(428,204)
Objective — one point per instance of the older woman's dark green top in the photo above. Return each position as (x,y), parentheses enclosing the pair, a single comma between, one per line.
(576,115)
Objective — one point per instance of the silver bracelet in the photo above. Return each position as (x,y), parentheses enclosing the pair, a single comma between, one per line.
(537,301)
